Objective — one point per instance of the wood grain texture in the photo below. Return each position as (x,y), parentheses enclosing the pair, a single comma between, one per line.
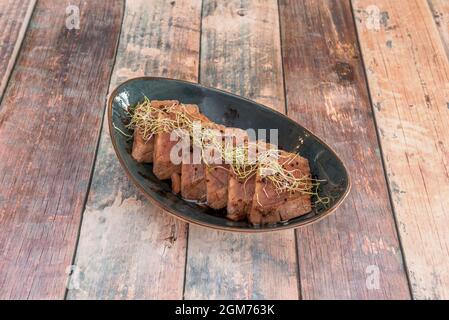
(50,120)
(440,11)
(14,18)
(408,73)
(240,52)
(129,248)
(326,92)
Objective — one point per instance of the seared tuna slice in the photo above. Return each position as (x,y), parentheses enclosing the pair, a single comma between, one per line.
(142,150)
(163,166)
(217,175)
(240,196)
(241,192)
(271,206)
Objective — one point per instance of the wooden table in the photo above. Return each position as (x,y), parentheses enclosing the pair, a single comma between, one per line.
(370,77)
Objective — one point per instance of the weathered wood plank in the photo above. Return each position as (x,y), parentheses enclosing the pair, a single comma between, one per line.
(14,18)
(440,11)
(50,120)
(240,52)
(129,248)
(326,92)
(408,74)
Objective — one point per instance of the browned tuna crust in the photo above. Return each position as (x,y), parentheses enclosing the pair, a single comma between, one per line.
(240,193)
(217,176)
(270,207)
(142,151)
(217,186)
(163,167)
(158,104)
(240,197)
(193,180)
(193,176)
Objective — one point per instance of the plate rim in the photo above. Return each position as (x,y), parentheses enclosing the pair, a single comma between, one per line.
(174,213)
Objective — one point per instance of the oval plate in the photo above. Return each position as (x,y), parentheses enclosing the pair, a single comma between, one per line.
(232,111)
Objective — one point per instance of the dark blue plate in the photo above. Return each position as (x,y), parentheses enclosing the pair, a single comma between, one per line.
(233,111)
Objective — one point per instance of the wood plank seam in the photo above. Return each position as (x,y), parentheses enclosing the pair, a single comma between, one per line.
(382,158)
(333,101)
(199,81)
(254,265)
(57,77)
(201,41)
(440,11)
(187,249)
(138,248)
(298,267)
(83,209)
(412,293)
